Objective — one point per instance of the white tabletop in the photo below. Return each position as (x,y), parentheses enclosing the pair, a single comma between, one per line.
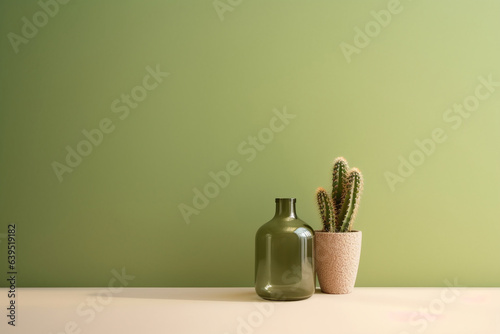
(239,310)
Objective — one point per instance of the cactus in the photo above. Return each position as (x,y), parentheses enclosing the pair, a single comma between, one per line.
(339,183)
(326,209)
(351,202)
(339,211)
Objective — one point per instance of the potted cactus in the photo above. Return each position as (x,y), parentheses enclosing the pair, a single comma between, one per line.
(338,246)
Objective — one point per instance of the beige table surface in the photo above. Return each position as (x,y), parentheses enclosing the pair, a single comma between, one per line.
(239,310)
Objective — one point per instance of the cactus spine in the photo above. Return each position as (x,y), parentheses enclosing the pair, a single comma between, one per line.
(339,211)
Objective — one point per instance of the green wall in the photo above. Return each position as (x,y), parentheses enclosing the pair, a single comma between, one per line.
(366,98)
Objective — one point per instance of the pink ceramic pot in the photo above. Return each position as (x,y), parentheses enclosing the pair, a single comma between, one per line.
(337,260)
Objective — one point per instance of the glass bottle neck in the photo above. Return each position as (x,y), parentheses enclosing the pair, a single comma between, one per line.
(285,207)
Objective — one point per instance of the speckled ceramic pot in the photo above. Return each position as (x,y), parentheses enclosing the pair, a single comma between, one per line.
(337,260)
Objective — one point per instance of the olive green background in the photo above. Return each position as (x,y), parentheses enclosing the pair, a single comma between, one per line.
(120,207)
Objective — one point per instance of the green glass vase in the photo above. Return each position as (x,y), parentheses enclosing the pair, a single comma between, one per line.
(284,263)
